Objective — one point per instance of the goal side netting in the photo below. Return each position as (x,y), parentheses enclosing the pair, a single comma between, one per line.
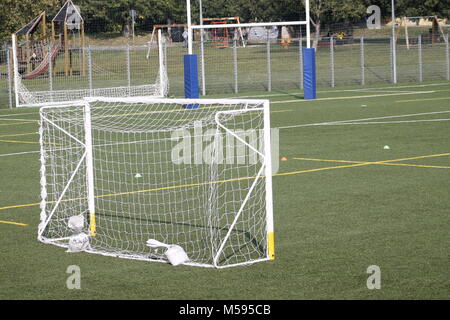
(137,169)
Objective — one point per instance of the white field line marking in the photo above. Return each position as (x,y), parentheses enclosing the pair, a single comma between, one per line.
(25,120)
(347,90)
(17,114)
(385,122)
(15,123)
(18,153)
(390,91)
(363,119)
(355,97)
(18,134)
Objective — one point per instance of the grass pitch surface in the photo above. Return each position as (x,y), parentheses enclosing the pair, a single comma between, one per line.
(342,202)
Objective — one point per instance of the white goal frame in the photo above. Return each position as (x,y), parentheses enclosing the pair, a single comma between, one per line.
(191,27)
(27,98)
(86,160)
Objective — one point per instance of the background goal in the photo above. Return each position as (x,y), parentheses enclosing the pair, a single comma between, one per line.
(116,71)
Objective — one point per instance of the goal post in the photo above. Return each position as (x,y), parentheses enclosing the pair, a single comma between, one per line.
(146,168)
(190,62)
(89,168)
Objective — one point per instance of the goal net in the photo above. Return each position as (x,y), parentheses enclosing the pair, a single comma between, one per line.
(100,72)
(192,173)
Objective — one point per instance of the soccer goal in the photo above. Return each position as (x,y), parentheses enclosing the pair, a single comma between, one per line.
(110,73)
(136,169)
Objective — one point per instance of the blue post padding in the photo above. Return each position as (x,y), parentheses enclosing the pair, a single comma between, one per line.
(191,79)
(309,73)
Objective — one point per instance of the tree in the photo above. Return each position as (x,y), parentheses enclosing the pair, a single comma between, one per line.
(323,11)
(16,14)
(410,8)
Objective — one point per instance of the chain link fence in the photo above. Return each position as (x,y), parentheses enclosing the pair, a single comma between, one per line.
(356,61)
(6,83)
(234,68)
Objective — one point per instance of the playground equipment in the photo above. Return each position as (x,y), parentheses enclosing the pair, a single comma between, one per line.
(221,37)
(69,22)
(44,65)
(34,40)
(436,32)
(35,49)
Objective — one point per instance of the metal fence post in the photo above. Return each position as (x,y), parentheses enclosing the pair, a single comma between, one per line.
(202,62)
(8,66)
(269,67)
(50,71)
(128,68)
(90,69)
(332,62)
(447,57)
(300,59)
(392,59)
(419,43)
(394,56)
(362,58)
(235,67)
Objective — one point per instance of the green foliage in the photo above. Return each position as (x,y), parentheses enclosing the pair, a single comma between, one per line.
(15,14)
(101,16)
(114,16)
(329,11)
(441,8)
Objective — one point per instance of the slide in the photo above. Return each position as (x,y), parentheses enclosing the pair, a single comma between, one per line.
(43,66)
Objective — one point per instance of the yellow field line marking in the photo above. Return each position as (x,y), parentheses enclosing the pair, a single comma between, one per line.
(183,186)
(318,169)
(359,164)
(387,162)
(375,162)
(21,206)
(420,157)
(17,141)
(15,123)
(418,100)
(14,223)
(415,165)
(17,134)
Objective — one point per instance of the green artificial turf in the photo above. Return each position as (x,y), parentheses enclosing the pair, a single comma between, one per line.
(331,223)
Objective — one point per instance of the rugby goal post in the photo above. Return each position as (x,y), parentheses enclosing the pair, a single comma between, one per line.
(138,168)
(191,65)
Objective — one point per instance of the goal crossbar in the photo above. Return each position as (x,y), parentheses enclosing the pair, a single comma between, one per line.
(248,25)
